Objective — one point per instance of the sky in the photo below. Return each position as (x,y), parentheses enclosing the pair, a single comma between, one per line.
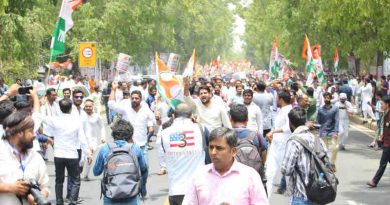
(239,28)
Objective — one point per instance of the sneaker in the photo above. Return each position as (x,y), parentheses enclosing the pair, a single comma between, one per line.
(79,200)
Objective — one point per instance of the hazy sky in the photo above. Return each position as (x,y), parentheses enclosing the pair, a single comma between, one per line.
(239,28)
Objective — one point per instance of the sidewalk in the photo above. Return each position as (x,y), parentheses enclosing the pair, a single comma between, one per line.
(358,119)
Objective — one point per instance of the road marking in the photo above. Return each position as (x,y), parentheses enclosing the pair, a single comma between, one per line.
(350,202)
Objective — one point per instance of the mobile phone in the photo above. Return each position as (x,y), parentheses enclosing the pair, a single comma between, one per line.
(24,90)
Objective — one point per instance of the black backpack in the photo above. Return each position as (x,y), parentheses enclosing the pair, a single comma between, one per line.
(122,174)
(250,154)
(317,190)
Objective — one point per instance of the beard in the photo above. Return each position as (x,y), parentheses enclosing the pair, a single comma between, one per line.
(205,100)
(135,104)
(26,144)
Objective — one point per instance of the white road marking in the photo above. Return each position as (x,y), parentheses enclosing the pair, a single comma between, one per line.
(364,130)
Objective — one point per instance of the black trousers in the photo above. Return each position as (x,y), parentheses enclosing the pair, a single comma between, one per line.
(176,199)
(70,180)
(72,166)
(383,163)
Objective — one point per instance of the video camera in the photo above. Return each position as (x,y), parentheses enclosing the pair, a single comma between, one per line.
(35,191)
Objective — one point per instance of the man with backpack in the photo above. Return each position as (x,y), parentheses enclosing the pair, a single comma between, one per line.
(183,146)
(123,166)
(251,146)
(311,178)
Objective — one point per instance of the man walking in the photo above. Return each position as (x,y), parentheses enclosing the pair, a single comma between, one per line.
(328,118)
(225,181)
(182,145)
(345,111)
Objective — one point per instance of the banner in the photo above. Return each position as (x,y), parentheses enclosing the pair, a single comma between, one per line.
(123,63)
(173,61)
(87,54)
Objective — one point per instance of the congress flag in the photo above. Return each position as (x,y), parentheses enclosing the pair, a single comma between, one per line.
(168,84)
(336,60)
(274,63)
(64,24)
(189,70)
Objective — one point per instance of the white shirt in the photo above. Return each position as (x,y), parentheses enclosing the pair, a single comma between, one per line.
(48,110)
(212,116)
(69,135)
(11,171)
(144,93)
(255,118)
(182,162)
(93,128)
(140,120)
(343,113)
(282,121)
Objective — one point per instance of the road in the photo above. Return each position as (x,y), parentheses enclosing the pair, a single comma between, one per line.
(354,168)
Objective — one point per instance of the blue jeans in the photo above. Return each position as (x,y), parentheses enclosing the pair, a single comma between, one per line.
(301,201)
(145,154)
(132,201)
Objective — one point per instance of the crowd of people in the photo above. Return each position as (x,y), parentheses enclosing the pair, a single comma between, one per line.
(226,143)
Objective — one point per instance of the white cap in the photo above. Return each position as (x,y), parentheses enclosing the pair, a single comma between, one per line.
(343,96)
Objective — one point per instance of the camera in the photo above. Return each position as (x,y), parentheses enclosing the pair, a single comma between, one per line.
(24,90)
(35,191)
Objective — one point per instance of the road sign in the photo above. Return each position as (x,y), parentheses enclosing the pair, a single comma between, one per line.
(87,54)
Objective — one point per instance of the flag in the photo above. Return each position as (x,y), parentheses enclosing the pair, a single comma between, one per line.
(274,63)
(64,24)
(168,84)
(313,62)
(189,70)
(336,60)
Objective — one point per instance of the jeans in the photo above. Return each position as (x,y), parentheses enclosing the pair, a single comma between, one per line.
(72,166)
(382,165)
(301,201)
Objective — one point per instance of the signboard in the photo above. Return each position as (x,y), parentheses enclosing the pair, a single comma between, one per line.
(352,65)
(123,63)
(87,54)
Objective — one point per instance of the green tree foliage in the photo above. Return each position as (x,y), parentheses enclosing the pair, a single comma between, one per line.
(138,28)
(356,27)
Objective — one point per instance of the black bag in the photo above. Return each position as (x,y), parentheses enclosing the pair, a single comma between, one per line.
(319,191)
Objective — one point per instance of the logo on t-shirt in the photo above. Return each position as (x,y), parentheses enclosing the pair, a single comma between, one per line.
(182,139)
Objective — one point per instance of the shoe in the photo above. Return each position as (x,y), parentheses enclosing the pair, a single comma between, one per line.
(149,147)
(370,146)
(162,172)
(281,191)
(371,184)
(79,200)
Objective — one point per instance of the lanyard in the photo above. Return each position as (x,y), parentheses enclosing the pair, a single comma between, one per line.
(21,161)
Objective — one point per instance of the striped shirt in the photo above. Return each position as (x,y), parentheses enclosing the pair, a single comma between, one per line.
(297,161)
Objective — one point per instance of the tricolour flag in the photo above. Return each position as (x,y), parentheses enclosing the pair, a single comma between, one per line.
(274,63)
(336,60)
(168,84)
(64,24)
(313,62)
(189,70)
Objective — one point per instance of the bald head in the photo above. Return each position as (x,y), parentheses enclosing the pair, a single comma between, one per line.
(303,101)
(183,110)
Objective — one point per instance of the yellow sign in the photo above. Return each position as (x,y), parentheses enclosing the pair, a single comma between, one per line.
(87,54)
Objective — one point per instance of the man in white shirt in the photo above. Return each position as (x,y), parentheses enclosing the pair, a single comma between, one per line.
(279,137)
(237,97)
(137,113)
(210,113)
(94,132)
(265,102)
(255,117)
(69,137)
(20,163)
(182,145)
(345,111)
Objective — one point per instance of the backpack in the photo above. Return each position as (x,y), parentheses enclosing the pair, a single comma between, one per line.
(249,154)
(321,191)
(121,175)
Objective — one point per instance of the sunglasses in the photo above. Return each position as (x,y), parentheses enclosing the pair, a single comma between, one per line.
(78,97)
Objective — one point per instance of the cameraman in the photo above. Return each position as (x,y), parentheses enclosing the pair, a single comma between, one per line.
(23,165)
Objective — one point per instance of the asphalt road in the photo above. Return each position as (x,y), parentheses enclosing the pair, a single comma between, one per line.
(354,168)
